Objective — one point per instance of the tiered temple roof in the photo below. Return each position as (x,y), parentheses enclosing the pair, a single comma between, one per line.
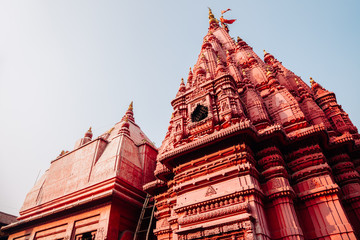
(261,93)
(248,143)
(117,162)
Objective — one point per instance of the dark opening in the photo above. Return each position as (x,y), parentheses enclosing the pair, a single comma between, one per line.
(200,113)
(86,236)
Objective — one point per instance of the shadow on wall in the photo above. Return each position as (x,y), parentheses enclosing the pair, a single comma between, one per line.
(126,235)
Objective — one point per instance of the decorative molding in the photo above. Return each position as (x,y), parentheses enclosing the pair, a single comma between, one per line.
(236,208)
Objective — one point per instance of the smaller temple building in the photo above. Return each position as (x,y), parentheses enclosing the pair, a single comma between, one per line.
(92,192)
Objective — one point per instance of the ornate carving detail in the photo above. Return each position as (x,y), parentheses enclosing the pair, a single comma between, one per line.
(321,191)
(250,236)
(212,231)
(165,223)
(194,235)
(238,208)
(210,191)
(100,234)
(276,183)
(314,183)
(213,203)
(233,229)
(213,109)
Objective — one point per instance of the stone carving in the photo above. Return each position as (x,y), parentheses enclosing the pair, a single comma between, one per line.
(249,236)
(100,234)
(238,208)
(165,223)
(212,231)
(232,227)
(292,132)
(314,183)
(276,183)
(193,235)
(210,191)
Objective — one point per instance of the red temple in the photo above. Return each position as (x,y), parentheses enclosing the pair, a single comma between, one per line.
(252,152)
(92,192)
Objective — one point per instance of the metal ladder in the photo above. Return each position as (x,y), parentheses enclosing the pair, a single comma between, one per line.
(145,220)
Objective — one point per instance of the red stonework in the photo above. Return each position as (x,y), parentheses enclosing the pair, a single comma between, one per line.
(252,152)
(94,190)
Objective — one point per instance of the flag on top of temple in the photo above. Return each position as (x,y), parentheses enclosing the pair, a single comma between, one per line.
(223,20)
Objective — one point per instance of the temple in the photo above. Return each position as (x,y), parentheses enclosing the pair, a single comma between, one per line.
(252,152)
(92,192)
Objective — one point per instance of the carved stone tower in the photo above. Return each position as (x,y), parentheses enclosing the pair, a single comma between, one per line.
(252,152)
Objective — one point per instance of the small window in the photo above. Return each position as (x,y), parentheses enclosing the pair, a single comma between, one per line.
(200,113)
(86,236)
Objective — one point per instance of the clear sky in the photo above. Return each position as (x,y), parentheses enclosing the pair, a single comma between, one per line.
(67,65)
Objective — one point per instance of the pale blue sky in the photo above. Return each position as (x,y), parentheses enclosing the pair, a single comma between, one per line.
(67,65)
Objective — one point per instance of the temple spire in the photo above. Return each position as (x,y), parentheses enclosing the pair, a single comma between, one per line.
(190,76)
(189,79)
(211,15)
(89,133)
(268,58)
(125,126)
(315,86)
(181,88)
(312,82)
(129,113)
(212,20)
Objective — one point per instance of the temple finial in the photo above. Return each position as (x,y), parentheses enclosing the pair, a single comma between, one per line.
(129,113)
(312,82)
(268,57)
(181,88)
(212,18)
(131,106)
(89,134)
(190,75)
(211,15)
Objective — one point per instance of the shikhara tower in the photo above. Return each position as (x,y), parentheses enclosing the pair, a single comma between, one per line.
(252,152)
